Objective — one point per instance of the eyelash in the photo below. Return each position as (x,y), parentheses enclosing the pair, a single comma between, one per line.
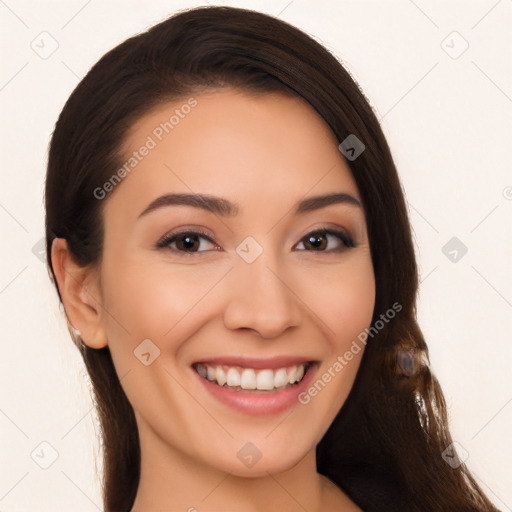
(344,237)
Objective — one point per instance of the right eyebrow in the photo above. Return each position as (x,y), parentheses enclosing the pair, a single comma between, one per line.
(213,204)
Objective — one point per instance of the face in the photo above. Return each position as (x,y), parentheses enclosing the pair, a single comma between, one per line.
(252,284)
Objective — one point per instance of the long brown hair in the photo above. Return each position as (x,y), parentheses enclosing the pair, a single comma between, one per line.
(384,448)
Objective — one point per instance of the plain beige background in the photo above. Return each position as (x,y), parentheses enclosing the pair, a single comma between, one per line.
(438,74)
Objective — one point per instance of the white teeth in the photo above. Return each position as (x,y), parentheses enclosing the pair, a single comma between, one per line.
(292,376)
(220,376)
(251,379)
(265,380)
(233,378)
(248,380)
(281,378)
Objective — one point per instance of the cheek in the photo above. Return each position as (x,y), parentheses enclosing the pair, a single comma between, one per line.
(353,313)
(153,301)
(345,306)
(343,300)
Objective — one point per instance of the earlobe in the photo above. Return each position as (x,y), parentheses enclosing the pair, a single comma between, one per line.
(80,293)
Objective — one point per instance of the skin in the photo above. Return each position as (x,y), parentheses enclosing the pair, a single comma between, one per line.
(265,153)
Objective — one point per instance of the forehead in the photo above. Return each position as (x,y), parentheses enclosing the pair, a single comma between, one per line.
(255,149)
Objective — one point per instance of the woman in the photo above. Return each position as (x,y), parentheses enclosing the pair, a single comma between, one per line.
(229,239)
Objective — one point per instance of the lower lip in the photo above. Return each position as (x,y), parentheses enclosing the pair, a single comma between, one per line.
(259,404)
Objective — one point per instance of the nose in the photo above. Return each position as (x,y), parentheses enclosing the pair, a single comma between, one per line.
(261,298)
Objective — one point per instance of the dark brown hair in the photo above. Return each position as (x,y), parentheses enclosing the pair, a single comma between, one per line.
(384,447)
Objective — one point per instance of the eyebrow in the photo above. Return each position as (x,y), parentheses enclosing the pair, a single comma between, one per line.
(225,208)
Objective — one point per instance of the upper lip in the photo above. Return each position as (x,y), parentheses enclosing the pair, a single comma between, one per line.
(256,362)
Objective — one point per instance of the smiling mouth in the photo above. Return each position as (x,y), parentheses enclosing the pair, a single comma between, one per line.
(252,380)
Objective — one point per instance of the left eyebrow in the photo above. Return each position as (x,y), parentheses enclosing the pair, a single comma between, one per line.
(317,202)
(225,208)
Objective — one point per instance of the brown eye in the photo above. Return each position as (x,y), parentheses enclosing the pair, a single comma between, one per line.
(317,241)
(185,242)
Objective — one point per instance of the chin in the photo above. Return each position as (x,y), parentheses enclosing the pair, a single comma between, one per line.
(264,460)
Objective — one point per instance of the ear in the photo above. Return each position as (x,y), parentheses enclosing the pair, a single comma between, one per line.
(80,292)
